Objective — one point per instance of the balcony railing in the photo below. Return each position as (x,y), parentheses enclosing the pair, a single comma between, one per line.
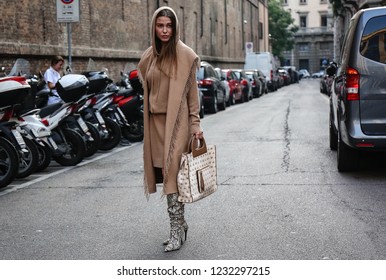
(314,30)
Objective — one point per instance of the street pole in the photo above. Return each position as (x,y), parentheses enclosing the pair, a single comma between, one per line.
(69,44)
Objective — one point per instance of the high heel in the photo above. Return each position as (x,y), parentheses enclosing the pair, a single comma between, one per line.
(178,227)
(185,228)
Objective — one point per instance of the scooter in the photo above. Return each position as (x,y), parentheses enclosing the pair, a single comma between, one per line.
(68,130)
(13,89)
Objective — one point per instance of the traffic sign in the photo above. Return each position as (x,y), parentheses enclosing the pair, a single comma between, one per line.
(67,10)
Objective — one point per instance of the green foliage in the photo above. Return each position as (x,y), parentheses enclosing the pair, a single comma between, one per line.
(281,28)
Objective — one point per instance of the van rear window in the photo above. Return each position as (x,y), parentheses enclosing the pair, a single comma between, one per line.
(373,41)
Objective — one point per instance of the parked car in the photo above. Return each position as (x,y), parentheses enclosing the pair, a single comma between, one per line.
(227,88)
(292,73)
(236,92)
(327,79)
(318,74)
(265,62)
(304,74)
(211,87)
(246,86)
(286,77)
(357,101)
(323,84)
(263,81)
(255,82)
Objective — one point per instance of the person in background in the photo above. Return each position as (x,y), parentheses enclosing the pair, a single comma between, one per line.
(171,114)
(51,76)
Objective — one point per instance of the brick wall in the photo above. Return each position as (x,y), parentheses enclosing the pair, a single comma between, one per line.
(115,33)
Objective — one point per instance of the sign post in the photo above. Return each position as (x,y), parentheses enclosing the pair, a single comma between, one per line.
(67,11)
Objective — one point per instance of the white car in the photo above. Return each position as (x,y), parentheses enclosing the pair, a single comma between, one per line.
(318,74)
(305,74)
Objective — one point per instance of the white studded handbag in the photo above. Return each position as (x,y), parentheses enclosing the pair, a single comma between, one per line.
(197,175)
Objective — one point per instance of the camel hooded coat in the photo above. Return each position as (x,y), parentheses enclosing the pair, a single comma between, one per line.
(182,115)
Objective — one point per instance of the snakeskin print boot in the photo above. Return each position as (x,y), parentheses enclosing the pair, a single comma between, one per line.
(177,231)
(184,227)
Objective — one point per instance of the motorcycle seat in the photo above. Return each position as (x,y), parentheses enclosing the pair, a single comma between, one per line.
(48,110)
(126,92)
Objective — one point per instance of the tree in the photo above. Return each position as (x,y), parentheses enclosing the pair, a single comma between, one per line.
(281,28)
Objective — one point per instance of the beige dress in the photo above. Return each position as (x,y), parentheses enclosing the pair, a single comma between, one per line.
(158,84)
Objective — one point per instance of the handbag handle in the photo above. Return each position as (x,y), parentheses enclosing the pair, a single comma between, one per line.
(199,148)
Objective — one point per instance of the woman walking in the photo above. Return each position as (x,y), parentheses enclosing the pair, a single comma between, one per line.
(171,114)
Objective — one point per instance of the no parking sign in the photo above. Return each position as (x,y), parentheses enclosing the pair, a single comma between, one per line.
(67,10)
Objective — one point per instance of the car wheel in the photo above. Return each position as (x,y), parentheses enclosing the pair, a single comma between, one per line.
(213,105)
(202,110)
(348,158)
(223,103)
(246,97)
(230,100)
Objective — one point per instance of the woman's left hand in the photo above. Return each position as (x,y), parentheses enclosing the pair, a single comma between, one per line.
(199,135)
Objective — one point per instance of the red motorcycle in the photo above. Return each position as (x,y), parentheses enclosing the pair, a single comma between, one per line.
(130,101)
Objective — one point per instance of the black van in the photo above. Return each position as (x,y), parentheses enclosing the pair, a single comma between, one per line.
(358,97)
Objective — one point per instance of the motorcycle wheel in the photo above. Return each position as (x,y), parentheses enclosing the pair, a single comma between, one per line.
(93,146)
(134,133)
(45,156)
(74,146)
(114,136)
(28,161)
(9,162)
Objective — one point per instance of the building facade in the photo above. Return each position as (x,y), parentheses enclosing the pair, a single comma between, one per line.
(115,33)
(314,41)
(343,16)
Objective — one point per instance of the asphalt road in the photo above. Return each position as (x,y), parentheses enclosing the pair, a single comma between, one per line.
(280,196)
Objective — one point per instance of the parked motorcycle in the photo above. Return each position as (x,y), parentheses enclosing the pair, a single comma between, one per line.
(9,161)
(130,101)
(68,130)
(100,111)
(12,91)
(126,107)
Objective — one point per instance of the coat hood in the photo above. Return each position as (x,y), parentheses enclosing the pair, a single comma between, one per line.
(153,21)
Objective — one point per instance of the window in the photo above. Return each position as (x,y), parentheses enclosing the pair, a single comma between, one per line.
(323,20)
(303,47)
(303,2)
(303,21)
(324,46)
(284,2)
(323,2)
(260,30)
(373,42)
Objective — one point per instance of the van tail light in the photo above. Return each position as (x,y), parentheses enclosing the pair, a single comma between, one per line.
(352,84)
(244,83)
(271,74)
